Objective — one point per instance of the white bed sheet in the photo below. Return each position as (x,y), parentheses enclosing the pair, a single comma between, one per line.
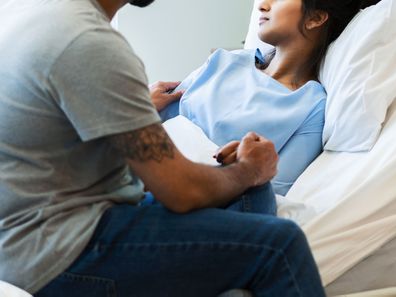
(8,290)
(386,292)
(377,271)
(191,140)
(352,202)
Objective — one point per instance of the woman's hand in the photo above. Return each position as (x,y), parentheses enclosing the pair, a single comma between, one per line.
(161,95)
(228,153)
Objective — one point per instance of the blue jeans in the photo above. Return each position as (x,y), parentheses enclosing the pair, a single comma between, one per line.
(259,200)
(146,250)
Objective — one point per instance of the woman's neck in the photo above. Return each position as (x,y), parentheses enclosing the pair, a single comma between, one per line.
(288,66)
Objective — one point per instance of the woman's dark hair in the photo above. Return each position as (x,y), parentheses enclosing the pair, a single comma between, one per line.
(340,13)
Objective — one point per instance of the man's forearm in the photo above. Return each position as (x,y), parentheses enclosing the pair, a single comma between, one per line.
(180,184)
(215,186)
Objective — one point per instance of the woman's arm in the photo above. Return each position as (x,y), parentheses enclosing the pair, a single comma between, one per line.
(294,158)
(299,151)
(166,96)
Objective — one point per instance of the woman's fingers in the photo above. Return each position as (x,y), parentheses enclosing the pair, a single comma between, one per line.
(231,158)
(227,153)
(162,93)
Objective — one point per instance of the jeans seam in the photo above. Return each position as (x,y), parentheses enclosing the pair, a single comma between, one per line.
(246,203)
(291,273)
(109,283)
(99,247)
(287,265)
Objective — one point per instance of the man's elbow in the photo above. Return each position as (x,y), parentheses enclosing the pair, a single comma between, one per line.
(179,208)
(184,202)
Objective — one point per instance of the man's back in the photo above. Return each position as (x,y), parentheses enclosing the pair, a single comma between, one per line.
(56,173)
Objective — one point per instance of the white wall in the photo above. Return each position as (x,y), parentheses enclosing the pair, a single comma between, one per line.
(174,37)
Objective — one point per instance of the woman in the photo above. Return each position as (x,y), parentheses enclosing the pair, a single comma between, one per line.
(277,94)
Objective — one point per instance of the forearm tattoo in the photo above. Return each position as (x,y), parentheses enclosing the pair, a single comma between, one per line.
(146,144)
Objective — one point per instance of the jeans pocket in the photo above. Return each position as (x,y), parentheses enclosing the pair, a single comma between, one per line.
(77,285)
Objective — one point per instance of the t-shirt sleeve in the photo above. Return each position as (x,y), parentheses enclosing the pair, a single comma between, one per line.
(101,86)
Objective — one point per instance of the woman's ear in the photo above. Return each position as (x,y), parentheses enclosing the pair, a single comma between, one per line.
(316,19)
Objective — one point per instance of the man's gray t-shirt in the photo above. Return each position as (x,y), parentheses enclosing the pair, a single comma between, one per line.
(67,81)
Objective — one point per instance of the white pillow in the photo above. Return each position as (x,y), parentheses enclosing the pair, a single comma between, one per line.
(360,78)
(358,74)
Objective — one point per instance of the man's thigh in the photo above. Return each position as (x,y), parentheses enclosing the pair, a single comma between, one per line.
(150,251)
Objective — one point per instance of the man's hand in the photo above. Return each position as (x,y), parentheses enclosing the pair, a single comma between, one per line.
(256,152)
(161,96)
(260,157)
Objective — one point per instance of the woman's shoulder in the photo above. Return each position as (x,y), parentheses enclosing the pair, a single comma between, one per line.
(312,99)
(238,55)
(315,90)
(235,52)
(317,110)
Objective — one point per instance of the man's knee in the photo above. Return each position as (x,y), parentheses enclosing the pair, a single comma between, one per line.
(283,233)
(289,229)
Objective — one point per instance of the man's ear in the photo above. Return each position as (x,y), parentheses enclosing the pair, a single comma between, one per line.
(316,19)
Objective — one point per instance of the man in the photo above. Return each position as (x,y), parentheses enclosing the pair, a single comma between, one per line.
(79,140)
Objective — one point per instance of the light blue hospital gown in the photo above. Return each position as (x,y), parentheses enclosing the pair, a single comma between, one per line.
(228,97)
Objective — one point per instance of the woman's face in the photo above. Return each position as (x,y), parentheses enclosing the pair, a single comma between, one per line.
(279,21)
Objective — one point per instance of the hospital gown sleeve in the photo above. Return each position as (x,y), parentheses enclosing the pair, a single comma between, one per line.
(301,149)
(172,110)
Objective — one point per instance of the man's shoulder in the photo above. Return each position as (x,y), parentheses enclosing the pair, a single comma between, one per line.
(45,30)
(72,18)
(57,23)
